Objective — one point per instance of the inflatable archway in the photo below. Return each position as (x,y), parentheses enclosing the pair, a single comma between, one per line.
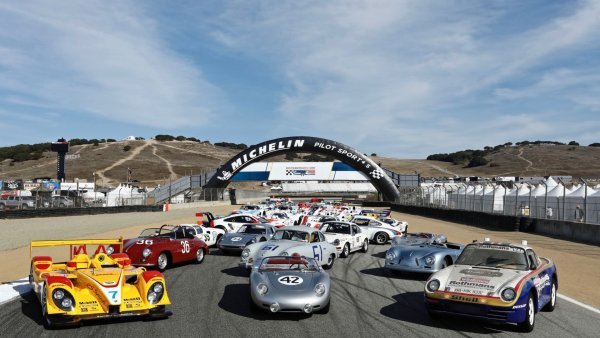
(306,144)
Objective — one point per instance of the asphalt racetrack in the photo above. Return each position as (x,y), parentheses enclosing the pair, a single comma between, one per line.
(212,300)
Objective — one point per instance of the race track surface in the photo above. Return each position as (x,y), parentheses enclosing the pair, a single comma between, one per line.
(212,300)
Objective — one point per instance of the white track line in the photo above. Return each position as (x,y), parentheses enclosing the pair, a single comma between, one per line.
(578,303)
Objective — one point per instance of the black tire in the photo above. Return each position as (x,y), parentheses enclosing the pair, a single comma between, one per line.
(325,309)
(162,262)
(446,263)
(529,323)
(330,262)
(219,238)
(381,238)
(48,323)
(200,256)
(365,246)
(346,251)
(262,239)
(552,303)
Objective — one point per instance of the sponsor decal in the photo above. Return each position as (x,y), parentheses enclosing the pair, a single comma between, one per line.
(300,171)
(541,282)
(237,239)
(500,247)
(465,299)
(475,280)
(471,285)
(481,272)
(290,280)
(519,306)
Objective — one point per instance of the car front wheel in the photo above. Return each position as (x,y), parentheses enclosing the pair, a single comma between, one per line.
(381,238)
(330,262)
(529,323)
(365,246)
(162,262)
(345,251)
(552,303)
(199,256)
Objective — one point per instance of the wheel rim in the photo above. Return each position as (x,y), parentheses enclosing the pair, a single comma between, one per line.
(530,312)
(365,246)
(346,250)
(553,295)
(330,260)
(199,255)
(162,261)
(380,238)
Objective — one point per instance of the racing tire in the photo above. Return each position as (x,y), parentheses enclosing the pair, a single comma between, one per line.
(346,251)
(446,263)
(200,256)
(48,323)
(381,238)
(529,323)
(552,303)
(162,262)
(330,262)
(219,238)
(365,246)
(325,309)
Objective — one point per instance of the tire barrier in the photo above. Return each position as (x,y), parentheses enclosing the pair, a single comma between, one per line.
(33,213)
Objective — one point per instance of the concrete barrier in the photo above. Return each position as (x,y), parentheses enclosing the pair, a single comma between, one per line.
(582,232)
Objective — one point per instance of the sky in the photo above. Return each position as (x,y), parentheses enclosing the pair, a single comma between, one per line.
(397,78)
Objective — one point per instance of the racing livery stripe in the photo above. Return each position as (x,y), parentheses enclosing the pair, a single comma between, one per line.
(148,275)
(466,294)
(536,271)
(58,279)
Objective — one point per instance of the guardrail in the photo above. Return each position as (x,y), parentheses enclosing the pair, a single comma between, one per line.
(33,213)
(179,186)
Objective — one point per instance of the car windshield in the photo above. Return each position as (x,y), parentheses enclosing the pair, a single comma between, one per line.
(199,230)
(252,229)
(150,232)
(411,239)
(326,219)
(293,235)
(289,263)
(361,221)
(494,256)
(338,228)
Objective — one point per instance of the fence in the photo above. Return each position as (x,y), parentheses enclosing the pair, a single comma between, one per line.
(574,203)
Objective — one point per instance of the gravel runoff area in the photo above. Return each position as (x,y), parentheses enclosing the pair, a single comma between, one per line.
(578,277)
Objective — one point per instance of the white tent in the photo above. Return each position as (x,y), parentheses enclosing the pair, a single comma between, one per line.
(517,201)
(575,201)
(593,208)
(125,194)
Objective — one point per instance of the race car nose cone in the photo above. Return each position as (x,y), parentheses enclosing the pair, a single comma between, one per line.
(274,307)
(308,308)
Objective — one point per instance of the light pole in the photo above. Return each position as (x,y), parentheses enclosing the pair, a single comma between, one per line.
(95,188)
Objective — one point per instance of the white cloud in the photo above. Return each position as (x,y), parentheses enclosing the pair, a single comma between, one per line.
(101,59)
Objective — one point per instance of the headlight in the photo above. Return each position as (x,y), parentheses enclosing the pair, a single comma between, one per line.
(62,299)
(336,242)
(320,289)
(285,253)
(390,256)
(110,250)
(508,294)
(155,293)
(262,288)
(245,253)
(147,252)
(253,240)
(58,294)
(429,260)
(433,285)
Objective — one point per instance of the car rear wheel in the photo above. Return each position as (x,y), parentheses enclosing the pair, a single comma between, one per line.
(381,238)
(199,255)
(365,246)
(330,262)
(552,303)
(163,261)
(345,251)
(529,323)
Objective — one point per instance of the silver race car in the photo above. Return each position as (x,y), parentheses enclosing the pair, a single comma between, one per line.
(247,234)
(421,252)
(289,284)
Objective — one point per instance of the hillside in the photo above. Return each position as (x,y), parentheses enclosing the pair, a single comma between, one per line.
(153,162)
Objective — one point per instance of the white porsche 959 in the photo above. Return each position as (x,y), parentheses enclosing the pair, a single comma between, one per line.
(497,282)
(301,240)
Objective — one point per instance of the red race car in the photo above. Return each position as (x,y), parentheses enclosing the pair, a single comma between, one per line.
(164,246)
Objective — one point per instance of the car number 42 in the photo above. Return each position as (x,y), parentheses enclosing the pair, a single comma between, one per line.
(290,280)
(185,247)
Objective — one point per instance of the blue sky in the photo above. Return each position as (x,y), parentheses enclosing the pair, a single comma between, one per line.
(397,78)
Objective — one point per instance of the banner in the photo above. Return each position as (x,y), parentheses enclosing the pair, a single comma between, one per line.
(301,171)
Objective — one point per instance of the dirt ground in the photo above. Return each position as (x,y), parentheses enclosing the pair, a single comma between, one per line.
(577,263)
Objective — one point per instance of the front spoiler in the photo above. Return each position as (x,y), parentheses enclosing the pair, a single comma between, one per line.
(66,320)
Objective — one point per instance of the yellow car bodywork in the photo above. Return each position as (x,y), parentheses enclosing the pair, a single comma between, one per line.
(98,285)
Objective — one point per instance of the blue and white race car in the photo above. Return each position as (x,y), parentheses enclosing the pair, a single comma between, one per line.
(497,282)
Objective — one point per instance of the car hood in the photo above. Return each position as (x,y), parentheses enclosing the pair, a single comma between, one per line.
(108,277)
(237,238)
(274,248)
(303,280)
(478,280)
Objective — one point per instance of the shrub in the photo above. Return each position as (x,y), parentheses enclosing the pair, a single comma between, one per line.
(373,154)
(573,143)
(126,148)
(595,144)
(477,161)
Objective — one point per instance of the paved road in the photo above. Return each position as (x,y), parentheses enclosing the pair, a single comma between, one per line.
(211,299)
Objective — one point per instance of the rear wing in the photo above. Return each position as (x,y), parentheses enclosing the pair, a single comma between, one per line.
(77,246)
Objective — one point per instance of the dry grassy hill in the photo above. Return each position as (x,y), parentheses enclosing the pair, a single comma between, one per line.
(154,162)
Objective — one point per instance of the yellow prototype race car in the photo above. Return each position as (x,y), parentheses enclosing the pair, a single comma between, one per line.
(94,286)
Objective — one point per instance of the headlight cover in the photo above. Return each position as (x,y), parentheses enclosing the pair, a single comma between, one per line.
(390,255)
(262,288)
(320,289)
(429,260)
(508,294)
(336,242)
(245,254)
(63,299)
(433,285)
(155,293)
(146,252)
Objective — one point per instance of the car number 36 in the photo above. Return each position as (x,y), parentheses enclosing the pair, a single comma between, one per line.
(290,280)
(185,247)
